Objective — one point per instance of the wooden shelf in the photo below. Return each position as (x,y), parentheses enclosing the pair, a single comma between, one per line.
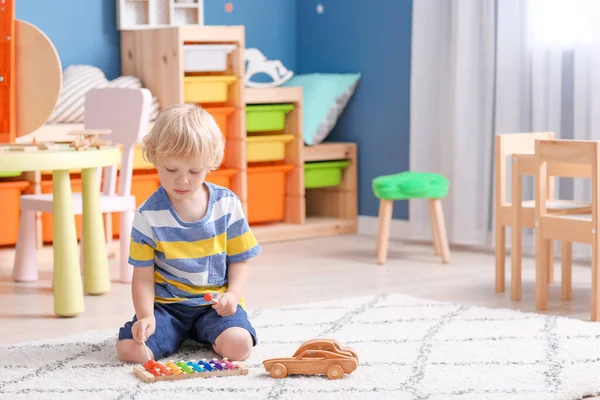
(329,151)
(155,56)
(273,95)
(312,227)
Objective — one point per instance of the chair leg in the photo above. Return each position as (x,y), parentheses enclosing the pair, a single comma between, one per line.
(500,253)
(25,268)
(438,215)
(515,261)
(434,229)
(383,236)
(595,298)
(125,226)
(566,255)
(550,262)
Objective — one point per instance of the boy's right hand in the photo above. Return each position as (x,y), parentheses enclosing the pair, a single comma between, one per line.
(143,328)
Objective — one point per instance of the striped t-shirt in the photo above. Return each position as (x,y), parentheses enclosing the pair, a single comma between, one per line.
(191,258)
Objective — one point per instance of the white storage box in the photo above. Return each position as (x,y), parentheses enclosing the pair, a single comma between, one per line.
(206,57)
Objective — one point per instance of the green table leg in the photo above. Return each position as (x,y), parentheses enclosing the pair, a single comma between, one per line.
(68,294)
(96,276)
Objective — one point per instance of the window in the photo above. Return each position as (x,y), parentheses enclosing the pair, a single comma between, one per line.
(563,23)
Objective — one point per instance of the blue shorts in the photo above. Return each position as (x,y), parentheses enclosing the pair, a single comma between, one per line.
(175,323)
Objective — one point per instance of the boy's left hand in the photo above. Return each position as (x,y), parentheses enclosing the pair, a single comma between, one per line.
(226,304)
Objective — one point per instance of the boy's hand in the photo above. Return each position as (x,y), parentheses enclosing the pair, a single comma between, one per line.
(143,328)
(226,304)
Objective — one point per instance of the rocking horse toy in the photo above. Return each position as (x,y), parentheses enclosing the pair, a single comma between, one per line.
(257,63)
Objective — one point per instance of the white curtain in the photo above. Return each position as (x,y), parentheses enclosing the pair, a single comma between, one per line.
(486,67)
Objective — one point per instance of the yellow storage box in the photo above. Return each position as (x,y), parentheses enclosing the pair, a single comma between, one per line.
(267,147)
(206,89)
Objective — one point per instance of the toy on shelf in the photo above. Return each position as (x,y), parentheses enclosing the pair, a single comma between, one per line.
(152,371)
(257,63)
(90,138)
(315,357)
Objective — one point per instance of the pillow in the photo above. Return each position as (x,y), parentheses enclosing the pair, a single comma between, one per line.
(325,97)
(77,80)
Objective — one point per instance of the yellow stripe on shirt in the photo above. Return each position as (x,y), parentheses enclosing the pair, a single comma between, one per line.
(197,249)
(191,289)
(240,244)
(170,300)
(140,252)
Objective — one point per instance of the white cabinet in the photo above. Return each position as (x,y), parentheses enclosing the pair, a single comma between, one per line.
(143,14)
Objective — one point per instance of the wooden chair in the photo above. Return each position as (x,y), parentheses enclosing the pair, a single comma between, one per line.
(125,112)
(576,159)
(518,214)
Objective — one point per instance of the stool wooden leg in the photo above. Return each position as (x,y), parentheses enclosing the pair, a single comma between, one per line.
(383,236)
(434,229)
(438,215)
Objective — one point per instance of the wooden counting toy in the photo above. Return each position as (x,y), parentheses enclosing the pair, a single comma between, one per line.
(152,371)
(90,138)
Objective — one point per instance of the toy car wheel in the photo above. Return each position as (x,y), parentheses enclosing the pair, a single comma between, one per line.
(335,372)
(278,371)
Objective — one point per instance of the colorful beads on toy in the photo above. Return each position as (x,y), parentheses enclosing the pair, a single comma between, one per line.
(195,366)
(152,371)
(184,367)
(205,364)
(174,368)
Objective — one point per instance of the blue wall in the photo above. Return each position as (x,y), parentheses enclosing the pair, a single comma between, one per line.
(84,31)
(372,37)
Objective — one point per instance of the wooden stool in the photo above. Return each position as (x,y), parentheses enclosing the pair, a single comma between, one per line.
(405,186)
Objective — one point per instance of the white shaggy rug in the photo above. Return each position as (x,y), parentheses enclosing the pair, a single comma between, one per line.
(408,348)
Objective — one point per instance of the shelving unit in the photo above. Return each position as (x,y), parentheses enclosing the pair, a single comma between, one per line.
(158,57)
(277,125)
(144,14)
(264,135)
(329,211)
(201,64)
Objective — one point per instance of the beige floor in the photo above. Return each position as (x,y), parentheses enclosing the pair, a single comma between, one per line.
(294,272)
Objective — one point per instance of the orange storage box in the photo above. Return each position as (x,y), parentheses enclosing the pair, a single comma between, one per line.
(266,193)
(222,177)
(48,218)
(10,193)
(221,115)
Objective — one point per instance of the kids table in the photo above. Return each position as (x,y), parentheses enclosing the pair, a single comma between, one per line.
(68,291)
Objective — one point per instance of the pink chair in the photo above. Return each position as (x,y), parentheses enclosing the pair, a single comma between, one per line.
(126,113)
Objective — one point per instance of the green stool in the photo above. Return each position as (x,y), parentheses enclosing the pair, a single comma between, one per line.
(405,186)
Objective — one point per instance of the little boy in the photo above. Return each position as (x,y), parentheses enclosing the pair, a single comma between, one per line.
(189,238)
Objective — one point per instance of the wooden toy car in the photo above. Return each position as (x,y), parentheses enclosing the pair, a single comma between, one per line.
(309,359)
(326,344)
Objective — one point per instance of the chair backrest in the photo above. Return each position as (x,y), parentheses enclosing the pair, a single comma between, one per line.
(506,145)
(126,113)
(574,152)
